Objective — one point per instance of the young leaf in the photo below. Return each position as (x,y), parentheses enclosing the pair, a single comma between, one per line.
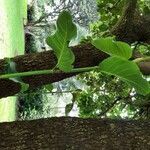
(127,71)
(66,30)
(113,48)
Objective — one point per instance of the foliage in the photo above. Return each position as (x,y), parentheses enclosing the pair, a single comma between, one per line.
(130,103)
(119,65)
(45,12)
(115,65)
(30,102)
(66,30)
(107,96)
(101,97)
(109,11)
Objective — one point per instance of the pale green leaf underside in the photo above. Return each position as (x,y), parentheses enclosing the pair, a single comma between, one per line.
(66,30)
(113,48)
(127,71)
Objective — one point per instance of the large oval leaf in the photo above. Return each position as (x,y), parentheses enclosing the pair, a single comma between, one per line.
(66,30)
(113,48)
(126,70)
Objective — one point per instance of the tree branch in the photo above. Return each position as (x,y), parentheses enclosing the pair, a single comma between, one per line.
(86,55)
(131,27)
(76,134)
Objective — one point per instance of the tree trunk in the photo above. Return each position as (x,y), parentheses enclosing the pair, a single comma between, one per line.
(132,26)
(68,133)
(11,44)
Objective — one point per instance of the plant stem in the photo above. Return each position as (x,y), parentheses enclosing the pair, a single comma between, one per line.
(40,72)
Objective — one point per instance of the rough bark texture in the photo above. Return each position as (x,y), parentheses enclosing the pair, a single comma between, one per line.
(132,26)
(75,134)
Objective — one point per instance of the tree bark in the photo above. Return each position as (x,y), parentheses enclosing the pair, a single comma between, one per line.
(132,26)
(66,133)
(86,55)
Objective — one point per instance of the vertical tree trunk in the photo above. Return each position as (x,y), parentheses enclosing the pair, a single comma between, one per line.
(11,44)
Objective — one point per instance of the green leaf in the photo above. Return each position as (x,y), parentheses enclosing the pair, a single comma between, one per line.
(113,48)
(68,108)
(24,86)
(66,30)
(127,71)
(49,87)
